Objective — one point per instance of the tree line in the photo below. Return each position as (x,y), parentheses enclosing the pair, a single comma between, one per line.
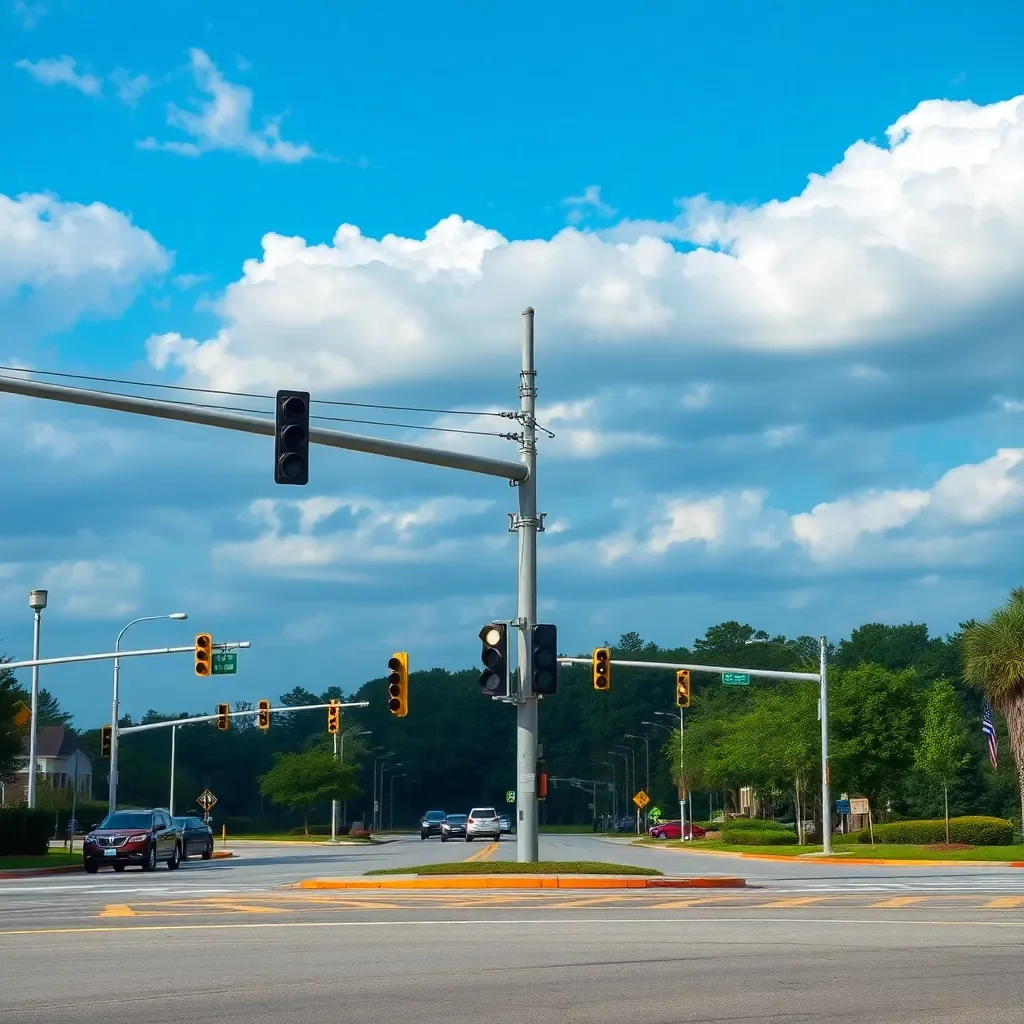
(905,732)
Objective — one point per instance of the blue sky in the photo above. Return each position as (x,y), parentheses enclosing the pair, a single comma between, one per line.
(775,255)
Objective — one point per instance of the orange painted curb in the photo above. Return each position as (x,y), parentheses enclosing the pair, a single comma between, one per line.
(522,882)
(219,854)
(61,869)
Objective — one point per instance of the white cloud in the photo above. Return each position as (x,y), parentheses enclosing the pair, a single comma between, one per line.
(130,88)
(698,396)
(984,491)
(779,437)
(584,205)
(62,70)
(94,589)
(184,282)
(892,246)
(68,258)
(28,14)
(223,121)
(308,538)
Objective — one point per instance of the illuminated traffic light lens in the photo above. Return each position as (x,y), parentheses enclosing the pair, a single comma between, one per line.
(492,637)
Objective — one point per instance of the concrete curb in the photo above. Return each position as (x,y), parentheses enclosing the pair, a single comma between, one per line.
(62,869)
(817,858)
(521,882)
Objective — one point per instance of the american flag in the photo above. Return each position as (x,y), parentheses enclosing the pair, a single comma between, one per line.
(989,729)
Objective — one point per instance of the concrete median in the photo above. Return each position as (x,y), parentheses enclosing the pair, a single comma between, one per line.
(507,881)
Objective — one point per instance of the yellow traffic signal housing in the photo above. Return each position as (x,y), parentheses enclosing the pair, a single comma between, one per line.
(683,688)
(22,714)
(398,684)
(334,717)
(263,718)
(204,654)
(602,668)
(105,736)
(223,717)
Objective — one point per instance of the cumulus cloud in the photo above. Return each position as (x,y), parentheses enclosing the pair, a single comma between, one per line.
(130,88)
(338,537)
(94,589)
(28,14)
(893,246)
(590,202)
(61,259)
(62,70)
(222,121)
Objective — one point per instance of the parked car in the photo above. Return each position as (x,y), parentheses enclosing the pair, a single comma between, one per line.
(506,822)
(453,827)
(671,830)
(483,823)
(133,837)
(196,837)
(430,824)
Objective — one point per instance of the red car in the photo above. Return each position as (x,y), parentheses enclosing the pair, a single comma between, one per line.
(671,830)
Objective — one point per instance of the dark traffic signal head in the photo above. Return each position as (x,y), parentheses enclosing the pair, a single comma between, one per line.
(263,718)
(683,688)
(223,717)
(545,659)
(602,668)
(398,684)
(291,438)
(204,654)
(105,734)
(493,680)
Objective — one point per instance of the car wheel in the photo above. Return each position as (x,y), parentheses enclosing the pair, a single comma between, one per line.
(149,864)
(175,859)
(91,867)
(422,837)
(208,852)
(118,867)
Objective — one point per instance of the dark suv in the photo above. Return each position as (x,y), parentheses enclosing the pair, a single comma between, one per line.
(430,824)
(133,837)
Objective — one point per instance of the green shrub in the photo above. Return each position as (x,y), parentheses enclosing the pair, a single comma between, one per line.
(976,831)
(759,837)
(755,825)
(318,830)
(24,833)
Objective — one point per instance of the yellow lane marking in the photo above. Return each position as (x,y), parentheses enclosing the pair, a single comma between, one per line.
(483,854)
(793,901)
(693,901)
(241,908)
(597,900)
(1005,903)
(117,910)
(902,901)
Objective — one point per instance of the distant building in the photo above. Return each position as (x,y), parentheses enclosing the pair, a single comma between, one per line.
(60,759)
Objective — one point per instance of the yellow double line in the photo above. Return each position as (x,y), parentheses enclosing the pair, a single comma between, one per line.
(485,854)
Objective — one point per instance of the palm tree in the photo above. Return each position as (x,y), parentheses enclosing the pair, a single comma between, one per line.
(994,663)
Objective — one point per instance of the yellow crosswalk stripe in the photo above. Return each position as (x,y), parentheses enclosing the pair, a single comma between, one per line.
(792,901)
(116,910)
(1005,903)
(900,901)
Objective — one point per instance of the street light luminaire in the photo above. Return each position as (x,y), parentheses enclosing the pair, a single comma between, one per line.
(37,600)
(179,616)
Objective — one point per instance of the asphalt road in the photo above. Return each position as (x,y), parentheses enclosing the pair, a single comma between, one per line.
(230,941)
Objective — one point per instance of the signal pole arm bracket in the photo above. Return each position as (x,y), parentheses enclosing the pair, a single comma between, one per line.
(517,522)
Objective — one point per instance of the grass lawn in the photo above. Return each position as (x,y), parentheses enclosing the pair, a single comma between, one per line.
(858,851)
(511,867)
(47,860)
(567,830)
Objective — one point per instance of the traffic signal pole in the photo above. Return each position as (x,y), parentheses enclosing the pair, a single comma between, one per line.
(528,525)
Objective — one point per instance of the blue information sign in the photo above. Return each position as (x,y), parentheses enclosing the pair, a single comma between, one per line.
(842,807)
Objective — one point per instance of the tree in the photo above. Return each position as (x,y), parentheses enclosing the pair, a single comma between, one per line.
(303,780)
(941,753)
(993,653)
(11,736)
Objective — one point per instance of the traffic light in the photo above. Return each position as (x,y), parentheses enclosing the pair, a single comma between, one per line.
(105,737)
(683,688)
(542,780)
(291,438)
(223,717)
(602,668)
(263,718)
(334,717)
(398,684)
(493,680)
(545,659)
(204,654)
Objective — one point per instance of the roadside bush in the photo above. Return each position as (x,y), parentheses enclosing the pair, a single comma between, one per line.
(314,830)
(747,836)
(755,825)
(24,833)
(975,831)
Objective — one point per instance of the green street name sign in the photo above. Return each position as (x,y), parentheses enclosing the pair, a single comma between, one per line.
(224,663)
(728,678)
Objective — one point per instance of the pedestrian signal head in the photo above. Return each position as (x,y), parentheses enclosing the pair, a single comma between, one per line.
(602,668)
(398,684)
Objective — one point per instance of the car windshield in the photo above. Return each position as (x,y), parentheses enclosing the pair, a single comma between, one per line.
(182,822)
(456,819)
(482,812)
(434,816)
(127,819)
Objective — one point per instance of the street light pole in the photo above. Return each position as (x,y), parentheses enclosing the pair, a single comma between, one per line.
(380,816)
(37,602)
(391,802)
(373,812)
(625,771)
(114,712)
(826,798)
(615,795)
(647,771)
(632,754)
(174,739)
(355,731)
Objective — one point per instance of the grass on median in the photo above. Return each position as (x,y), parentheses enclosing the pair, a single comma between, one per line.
(856,851)
(511,867)
(284,837)
(46,860)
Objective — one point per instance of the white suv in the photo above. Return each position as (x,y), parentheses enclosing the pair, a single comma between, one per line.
(483,821)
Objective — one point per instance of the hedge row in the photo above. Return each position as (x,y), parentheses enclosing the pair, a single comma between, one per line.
(759,837)
(24,833)
(975,831)
(755,825)
(319,830)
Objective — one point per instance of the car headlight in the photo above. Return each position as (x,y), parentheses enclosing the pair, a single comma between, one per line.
(137,839)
